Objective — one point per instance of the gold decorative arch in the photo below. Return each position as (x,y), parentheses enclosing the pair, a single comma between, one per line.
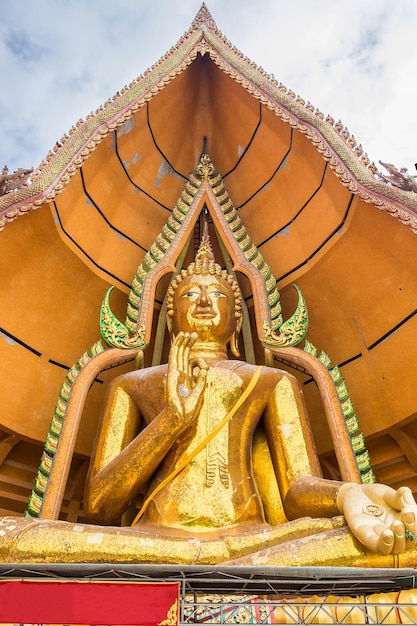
(204,190)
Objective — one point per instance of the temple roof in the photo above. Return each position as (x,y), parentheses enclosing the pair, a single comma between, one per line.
(311,202)
(332,139)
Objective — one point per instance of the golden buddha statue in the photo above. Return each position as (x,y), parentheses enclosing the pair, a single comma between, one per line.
(181,435)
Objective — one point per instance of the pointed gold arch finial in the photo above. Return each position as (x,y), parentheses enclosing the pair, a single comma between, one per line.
(272,330)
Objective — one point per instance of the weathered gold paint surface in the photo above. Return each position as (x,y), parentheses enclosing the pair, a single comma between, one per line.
(306,541)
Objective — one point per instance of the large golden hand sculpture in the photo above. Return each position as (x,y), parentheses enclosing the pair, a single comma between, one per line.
(383,519)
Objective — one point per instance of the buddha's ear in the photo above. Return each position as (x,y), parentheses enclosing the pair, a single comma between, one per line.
(234,340)
(169,322)
(239,322)
(233,344)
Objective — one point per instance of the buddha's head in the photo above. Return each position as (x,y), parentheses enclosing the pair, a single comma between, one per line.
(205,299)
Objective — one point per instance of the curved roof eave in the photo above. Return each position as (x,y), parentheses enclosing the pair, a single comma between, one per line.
(350,164)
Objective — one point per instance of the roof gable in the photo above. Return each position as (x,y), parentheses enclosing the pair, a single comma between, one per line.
(330,138)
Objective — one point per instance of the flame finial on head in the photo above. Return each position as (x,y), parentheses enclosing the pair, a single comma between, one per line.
(205,251)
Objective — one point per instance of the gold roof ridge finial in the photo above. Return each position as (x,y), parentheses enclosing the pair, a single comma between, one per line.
(203,19)
(205,167)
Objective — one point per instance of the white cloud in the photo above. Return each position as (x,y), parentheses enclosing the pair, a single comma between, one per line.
(60,60)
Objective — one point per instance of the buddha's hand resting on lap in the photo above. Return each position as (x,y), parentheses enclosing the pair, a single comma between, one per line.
(382,518)
(186,381)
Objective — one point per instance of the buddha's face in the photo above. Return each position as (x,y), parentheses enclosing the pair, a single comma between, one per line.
(205,305)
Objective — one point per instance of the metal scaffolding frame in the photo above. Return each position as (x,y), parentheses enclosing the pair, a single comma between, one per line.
(256,595)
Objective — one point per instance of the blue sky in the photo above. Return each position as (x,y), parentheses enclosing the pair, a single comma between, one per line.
(356,60)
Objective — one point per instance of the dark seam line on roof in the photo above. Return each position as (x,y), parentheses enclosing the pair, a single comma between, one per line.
(376,343)
(159,149)
(248,146)
(272,176)
(393,330)
(282,228)
(84,252)
(61,365)
(313,254)
(39,354)
(352,358)
(328,238)
(65,367)
(20,342)
(371,347)
(148,195)
(105,218)
(339,365)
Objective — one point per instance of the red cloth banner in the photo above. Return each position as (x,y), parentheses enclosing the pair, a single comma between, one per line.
(86,602)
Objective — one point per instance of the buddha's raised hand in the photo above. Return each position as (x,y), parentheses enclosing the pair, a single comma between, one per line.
(186,380)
